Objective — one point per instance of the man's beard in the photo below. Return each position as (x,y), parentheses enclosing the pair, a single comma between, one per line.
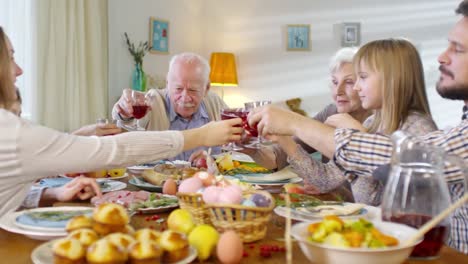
(453,92)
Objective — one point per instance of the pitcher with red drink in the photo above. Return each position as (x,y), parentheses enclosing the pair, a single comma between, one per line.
(416,191)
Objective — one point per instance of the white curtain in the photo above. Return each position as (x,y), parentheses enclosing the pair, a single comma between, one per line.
(72,62)
(16,18)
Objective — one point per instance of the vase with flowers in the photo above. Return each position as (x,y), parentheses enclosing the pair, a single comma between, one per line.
(138,75)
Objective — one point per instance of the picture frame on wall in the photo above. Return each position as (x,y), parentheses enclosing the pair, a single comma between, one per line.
(159,36)
(298,37)
(351,34)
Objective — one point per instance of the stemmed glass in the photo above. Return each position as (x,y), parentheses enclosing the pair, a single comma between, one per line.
(140,104)
(230,113)
(258,141)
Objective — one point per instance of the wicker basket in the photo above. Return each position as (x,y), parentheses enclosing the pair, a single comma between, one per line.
(193,202)
(249,222)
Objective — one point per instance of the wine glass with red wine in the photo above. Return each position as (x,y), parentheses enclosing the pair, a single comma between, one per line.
(230,113)
(257,141)
(140,105)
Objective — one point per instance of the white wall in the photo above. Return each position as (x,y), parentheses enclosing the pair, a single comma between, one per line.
(254,30)
(185,34)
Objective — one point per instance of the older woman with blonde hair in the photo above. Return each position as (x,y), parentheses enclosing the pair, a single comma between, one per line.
(29,152)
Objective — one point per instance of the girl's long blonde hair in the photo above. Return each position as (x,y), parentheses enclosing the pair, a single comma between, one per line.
(402,75)
(7,87)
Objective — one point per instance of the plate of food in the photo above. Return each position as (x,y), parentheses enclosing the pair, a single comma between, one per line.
(322,209)
(105,185)
(139,201)
(107,177)
(262,182)
(236,156)
(52,219)
(43,254)
(139,182)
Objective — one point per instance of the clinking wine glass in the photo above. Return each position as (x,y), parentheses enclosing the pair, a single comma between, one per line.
(416,191)
(257,141)
(140,105)
(230,113)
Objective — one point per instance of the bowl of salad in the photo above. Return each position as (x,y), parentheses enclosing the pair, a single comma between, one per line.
(334,240)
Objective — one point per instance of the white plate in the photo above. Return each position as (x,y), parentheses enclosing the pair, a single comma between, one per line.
(105,184)
(8,222)
(368,212)
(140,167)
(111,185)
(272,183)
(144,185)
(237,156)
(101,179)
(43,254)
(25,222)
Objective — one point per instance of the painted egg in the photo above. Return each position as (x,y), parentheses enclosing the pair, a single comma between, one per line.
(170,187)
(260,200)
(190,185)
(211,194)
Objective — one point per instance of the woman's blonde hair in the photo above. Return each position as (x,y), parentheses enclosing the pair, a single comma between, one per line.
(7,87)
(402,81)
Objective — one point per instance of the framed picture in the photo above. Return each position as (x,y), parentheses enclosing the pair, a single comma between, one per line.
(298,37)
(351,34)
(159,36)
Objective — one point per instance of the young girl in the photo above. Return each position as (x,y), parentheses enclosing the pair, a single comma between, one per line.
(390,81)
(293,151)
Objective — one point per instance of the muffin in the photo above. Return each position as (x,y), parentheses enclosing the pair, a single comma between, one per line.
(111,214)
(145,252)
(147,234)
(68,251)
(105,252)
(109,218)
(77,222)
(85,236)
(129,230)
(121,239)
(175,246)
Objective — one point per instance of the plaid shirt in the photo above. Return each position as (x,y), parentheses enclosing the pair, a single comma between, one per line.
(361,153)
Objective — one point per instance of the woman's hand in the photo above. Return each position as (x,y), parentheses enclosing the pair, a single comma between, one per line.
(221,132)
(344,120)
(98,130)
(81,188)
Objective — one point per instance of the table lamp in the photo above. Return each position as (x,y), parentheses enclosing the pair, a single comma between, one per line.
(223,70)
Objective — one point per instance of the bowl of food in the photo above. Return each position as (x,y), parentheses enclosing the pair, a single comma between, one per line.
(334,240)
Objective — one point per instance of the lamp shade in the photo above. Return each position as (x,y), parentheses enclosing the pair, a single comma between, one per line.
(223,69)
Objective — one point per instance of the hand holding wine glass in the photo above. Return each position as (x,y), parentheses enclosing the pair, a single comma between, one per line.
(134,104)
(252,130)
(230,113)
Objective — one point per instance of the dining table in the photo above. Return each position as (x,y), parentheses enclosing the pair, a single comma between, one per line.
(17,248)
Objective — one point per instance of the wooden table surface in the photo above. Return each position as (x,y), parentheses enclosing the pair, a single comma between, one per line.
(17,249)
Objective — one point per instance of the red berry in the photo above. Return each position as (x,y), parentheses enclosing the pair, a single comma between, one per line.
(265,254)
(252,246)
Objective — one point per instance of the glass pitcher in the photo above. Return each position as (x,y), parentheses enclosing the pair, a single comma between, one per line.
(416,190)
